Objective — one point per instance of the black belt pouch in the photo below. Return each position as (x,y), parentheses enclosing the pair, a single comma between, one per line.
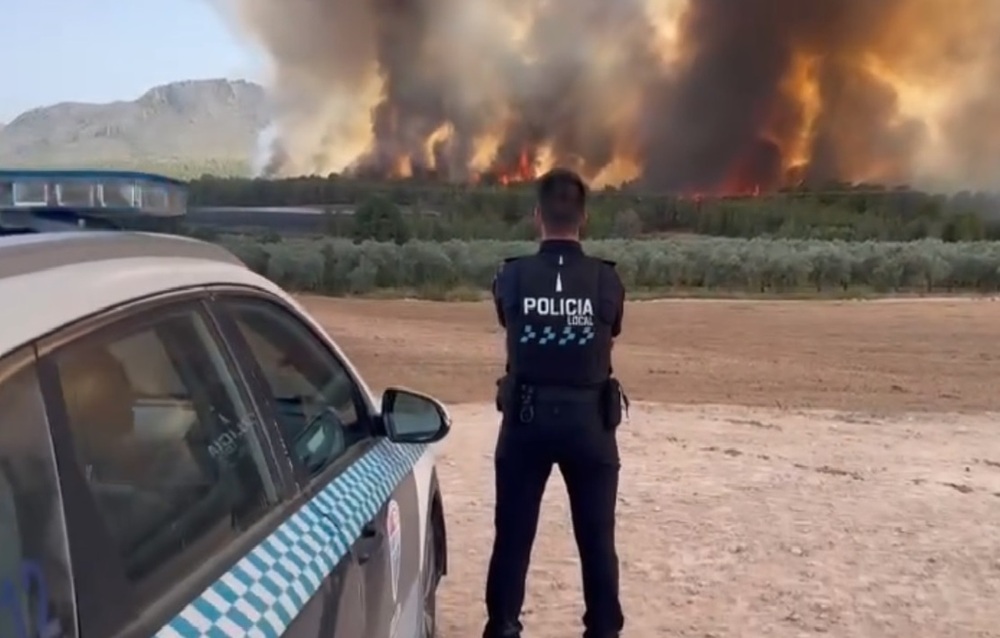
(611,403)
(505,393)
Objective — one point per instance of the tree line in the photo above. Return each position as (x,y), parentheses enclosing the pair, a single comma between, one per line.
(716,266)
(404,209)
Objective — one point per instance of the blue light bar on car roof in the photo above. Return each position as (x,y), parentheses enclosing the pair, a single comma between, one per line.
(93,193)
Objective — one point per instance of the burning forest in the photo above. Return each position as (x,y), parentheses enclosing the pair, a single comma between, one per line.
(697,96)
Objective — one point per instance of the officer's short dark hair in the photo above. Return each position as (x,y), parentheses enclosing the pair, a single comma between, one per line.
(562,200)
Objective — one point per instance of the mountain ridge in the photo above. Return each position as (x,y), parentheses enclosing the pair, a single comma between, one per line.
(182,128)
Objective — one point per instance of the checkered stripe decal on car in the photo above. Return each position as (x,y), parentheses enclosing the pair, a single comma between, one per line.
(262,593)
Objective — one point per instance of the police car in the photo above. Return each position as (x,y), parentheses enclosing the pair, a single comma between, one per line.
(184,451)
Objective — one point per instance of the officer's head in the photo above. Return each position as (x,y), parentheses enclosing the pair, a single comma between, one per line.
(562,199)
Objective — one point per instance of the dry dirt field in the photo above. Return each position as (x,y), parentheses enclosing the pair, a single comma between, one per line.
(792,468)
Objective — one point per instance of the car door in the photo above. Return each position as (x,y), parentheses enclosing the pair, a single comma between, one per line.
(36,586)
(174,496)
(391,593)
(306,383)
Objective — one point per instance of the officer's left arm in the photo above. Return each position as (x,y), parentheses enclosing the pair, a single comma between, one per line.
(498,296)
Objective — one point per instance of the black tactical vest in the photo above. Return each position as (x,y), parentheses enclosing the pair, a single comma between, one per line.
(558,329)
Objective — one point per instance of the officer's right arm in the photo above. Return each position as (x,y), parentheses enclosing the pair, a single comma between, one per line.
(616,292)
(616,328)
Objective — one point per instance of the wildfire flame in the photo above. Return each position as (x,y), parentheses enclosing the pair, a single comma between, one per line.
(524,169)
(688,96)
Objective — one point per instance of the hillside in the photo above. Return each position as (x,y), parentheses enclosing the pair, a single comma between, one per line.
(183,128)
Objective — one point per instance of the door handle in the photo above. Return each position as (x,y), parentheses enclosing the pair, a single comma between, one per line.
(368,543)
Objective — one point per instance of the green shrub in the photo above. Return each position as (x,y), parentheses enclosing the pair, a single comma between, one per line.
(714,265)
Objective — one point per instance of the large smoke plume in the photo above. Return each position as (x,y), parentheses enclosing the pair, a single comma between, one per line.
(684,95)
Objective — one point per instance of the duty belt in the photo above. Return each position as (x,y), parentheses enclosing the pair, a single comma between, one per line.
(609,398)
(547,393)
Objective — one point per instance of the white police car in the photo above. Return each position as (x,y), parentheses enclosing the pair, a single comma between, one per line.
(185,452)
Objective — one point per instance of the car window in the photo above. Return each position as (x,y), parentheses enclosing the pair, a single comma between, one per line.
(36,596)
(316,400)
(167,445)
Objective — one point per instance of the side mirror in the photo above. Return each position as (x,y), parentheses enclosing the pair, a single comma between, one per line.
(411,417)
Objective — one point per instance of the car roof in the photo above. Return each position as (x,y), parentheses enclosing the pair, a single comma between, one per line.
(49,280)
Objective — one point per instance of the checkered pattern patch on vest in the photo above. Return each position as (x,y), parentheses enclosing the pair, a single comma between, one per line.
(263,592)
(566,336)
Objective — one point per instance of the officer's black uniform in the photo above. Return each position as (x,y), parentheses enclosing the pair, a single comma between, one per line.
(561,310)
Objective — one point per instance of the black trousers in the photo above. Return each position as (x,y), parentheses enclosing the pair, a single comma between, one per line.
(571,436)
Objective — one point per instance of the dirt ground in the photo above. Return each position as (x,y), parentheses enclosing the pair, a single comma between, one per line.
(792,469)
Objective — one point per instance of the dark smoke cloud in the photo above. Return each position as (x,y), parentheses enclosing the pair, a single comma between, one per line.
(973,131)
(728,112)
(750,93)
(555,98)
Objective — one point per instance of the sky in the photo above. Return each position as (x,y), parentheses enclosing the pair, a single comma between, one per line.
(106,50)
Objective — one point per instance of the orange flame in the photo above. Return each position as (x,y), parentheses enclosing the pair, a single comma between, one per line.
(523,170)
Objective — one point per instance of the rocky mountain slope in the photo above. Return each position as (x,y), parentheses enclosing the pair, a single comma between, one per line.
(183,128)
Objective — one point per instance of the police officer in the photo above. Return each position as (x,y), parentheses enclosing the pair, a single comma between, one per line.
(561,310)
